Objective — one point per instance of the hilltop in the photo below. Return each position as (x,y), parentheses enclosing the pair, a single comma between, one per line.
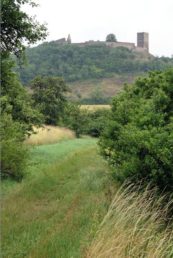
(98,66)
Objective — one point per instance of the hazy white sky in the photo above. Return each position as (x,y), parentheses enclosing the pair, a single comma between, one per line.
(94,19)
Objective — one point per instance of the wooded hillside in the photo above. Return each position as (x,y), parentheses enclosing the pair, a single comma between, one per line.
(75,63)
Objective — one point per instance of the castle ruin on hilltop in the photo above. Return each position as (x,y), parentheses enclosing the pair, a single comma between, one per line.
(142,43)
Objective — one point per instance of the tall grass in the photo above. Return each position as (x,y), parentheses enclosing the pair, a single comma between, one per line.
(133,227)
(48,135)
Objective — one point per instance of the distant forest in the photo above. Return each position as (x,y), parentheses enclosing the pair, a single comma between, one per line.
(75,63)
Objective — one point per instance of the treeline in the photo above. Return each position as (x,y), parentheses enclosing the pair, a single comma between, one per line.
(18,114)
(74,63)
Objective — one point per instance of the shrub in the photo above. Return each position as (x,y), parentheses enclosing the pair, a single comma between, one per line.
(74,118)
(96,122)
(17,119)
(138,139)
(83,121)
(13,152)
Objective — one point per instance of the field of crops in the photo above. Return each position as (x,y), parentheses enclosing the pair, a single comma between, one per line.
(95,107)
(49,134)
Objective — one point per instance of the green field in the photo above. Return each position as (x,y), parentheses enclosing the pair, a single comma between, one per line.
(62,209)
(56,210)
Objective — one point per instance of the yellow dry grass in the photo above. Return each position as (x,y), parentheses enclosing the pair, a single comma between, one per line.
(49,135)
(133,227)
(94,107)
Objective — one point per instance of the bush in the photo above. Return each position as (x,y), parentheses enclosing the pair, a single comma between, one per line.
(14,153)
(96,122)
(74,118)
(17,119)
(83,121)
(138,140)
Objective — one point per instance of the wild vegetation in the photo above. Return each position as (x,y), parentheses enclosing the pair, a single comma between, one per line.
(75,63)
(17,112)
(98,91)
(133,227)
(138,138)
(64,186)
(48,97)
(84,120)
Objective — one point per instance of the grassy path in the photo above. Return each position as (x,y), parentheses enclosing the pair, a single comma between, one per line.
(56,210)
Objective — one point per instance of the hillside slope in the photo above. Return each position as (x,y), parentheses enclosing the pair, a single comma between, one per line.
(90,63)
(79,63)
(98,91)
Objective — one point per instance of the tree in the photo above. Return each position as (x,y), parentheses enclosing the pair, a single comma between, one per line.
(17,27)
(138,139)
(13,152)
(17,114)
(111,38)
(49,97)
(75,118)
(15,100)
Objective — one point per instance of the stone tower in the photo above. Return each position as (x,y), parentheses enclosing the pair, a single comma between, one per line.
(143,40)
(69,39)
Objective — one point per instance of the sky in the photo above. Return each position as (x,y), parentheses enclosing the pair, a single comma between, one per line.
(93,19)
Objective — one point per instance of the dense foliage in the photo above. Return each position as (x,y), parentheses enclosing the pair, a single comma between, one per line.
(83,121)
(49,98)
(74,118)
(73,62)
(13,152)
(138,140)
(17,114)
(17,27)
(96,122)
(15,100)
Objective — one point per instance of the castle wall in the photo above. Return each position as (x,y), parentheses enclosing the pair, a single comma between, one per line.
(141,49)
(142,43)
(90,43)
(128,45)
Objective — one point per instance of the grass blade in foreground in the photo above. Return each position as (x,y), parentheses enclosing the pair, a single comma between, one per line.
(133,227)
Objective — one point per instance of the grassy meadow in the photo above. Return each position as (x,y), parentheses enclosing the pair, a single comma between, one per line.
(55,211)
(68,206)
